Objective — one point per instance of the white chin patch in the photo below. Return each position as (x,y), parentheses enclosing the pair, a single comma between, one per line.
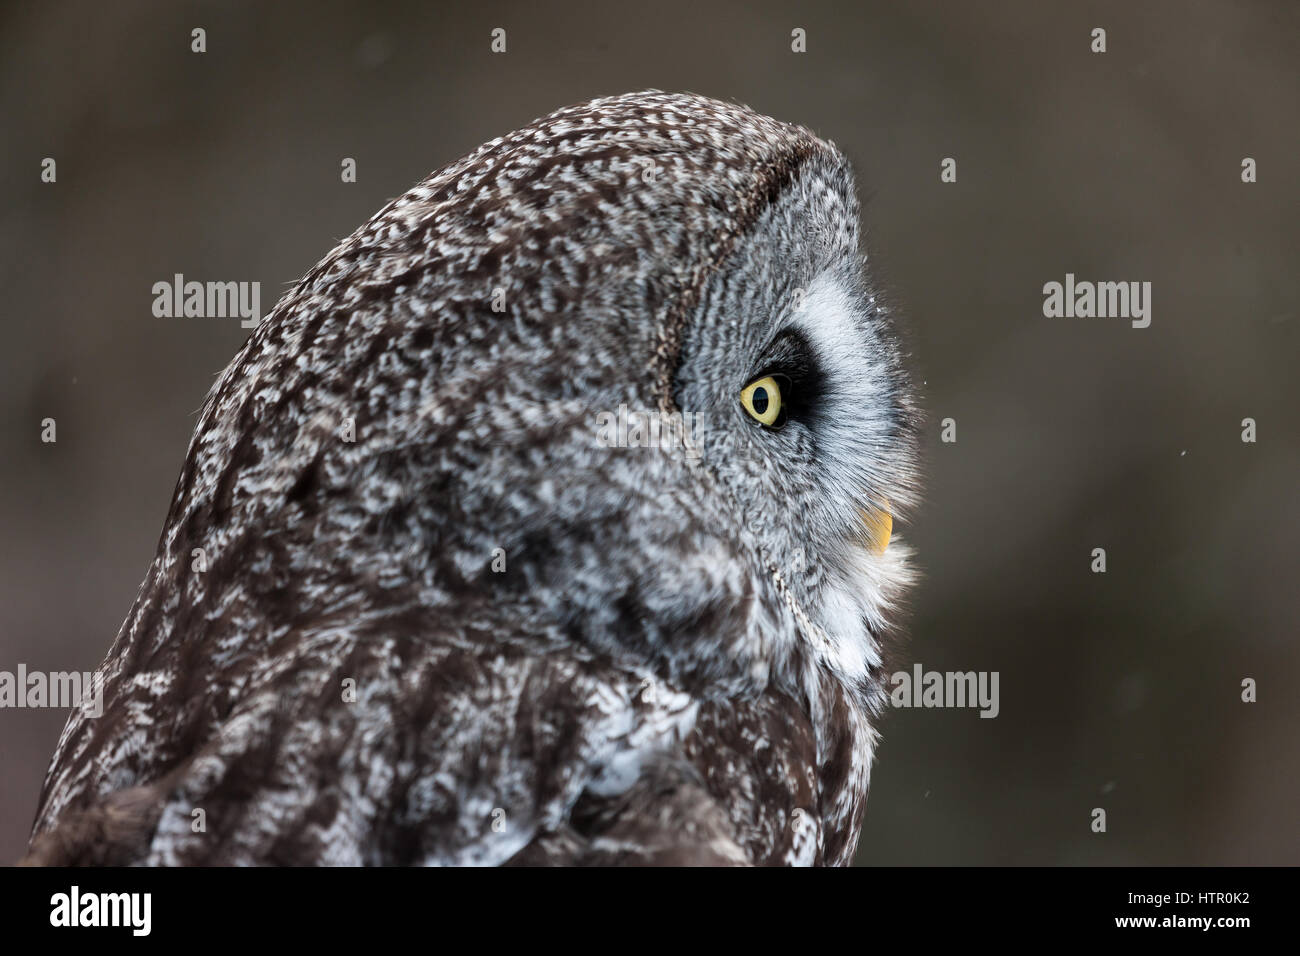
(856,600)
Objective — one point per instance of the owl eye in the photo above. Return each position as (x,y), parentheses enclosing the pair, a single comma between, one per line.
(764,402)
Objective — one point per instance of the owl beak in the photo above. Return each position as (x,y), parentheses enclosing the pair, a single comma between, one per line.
(878,527)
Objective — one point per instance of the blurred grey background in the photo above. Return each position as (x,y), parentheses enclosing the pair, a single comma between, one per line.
(1119,691)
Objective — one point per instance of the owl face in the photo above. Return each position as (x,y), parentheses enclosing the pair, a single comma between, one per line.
(790,366)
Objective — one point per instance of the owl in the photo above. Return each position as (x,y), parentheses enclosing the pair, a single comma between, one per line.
(546,521)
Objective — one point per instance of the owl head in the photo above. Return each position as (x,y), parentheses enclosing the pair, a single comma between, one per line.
(616,379)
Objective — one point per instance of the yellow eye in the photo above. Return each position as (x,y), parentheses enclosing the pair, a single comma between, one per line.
(762,399)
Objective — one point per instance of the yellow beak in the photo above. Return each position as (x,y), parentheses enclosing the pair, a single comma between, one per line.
(879,526)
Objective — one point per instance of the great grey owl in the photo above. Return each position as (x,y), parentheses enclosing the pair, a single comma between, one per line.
(545,521)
